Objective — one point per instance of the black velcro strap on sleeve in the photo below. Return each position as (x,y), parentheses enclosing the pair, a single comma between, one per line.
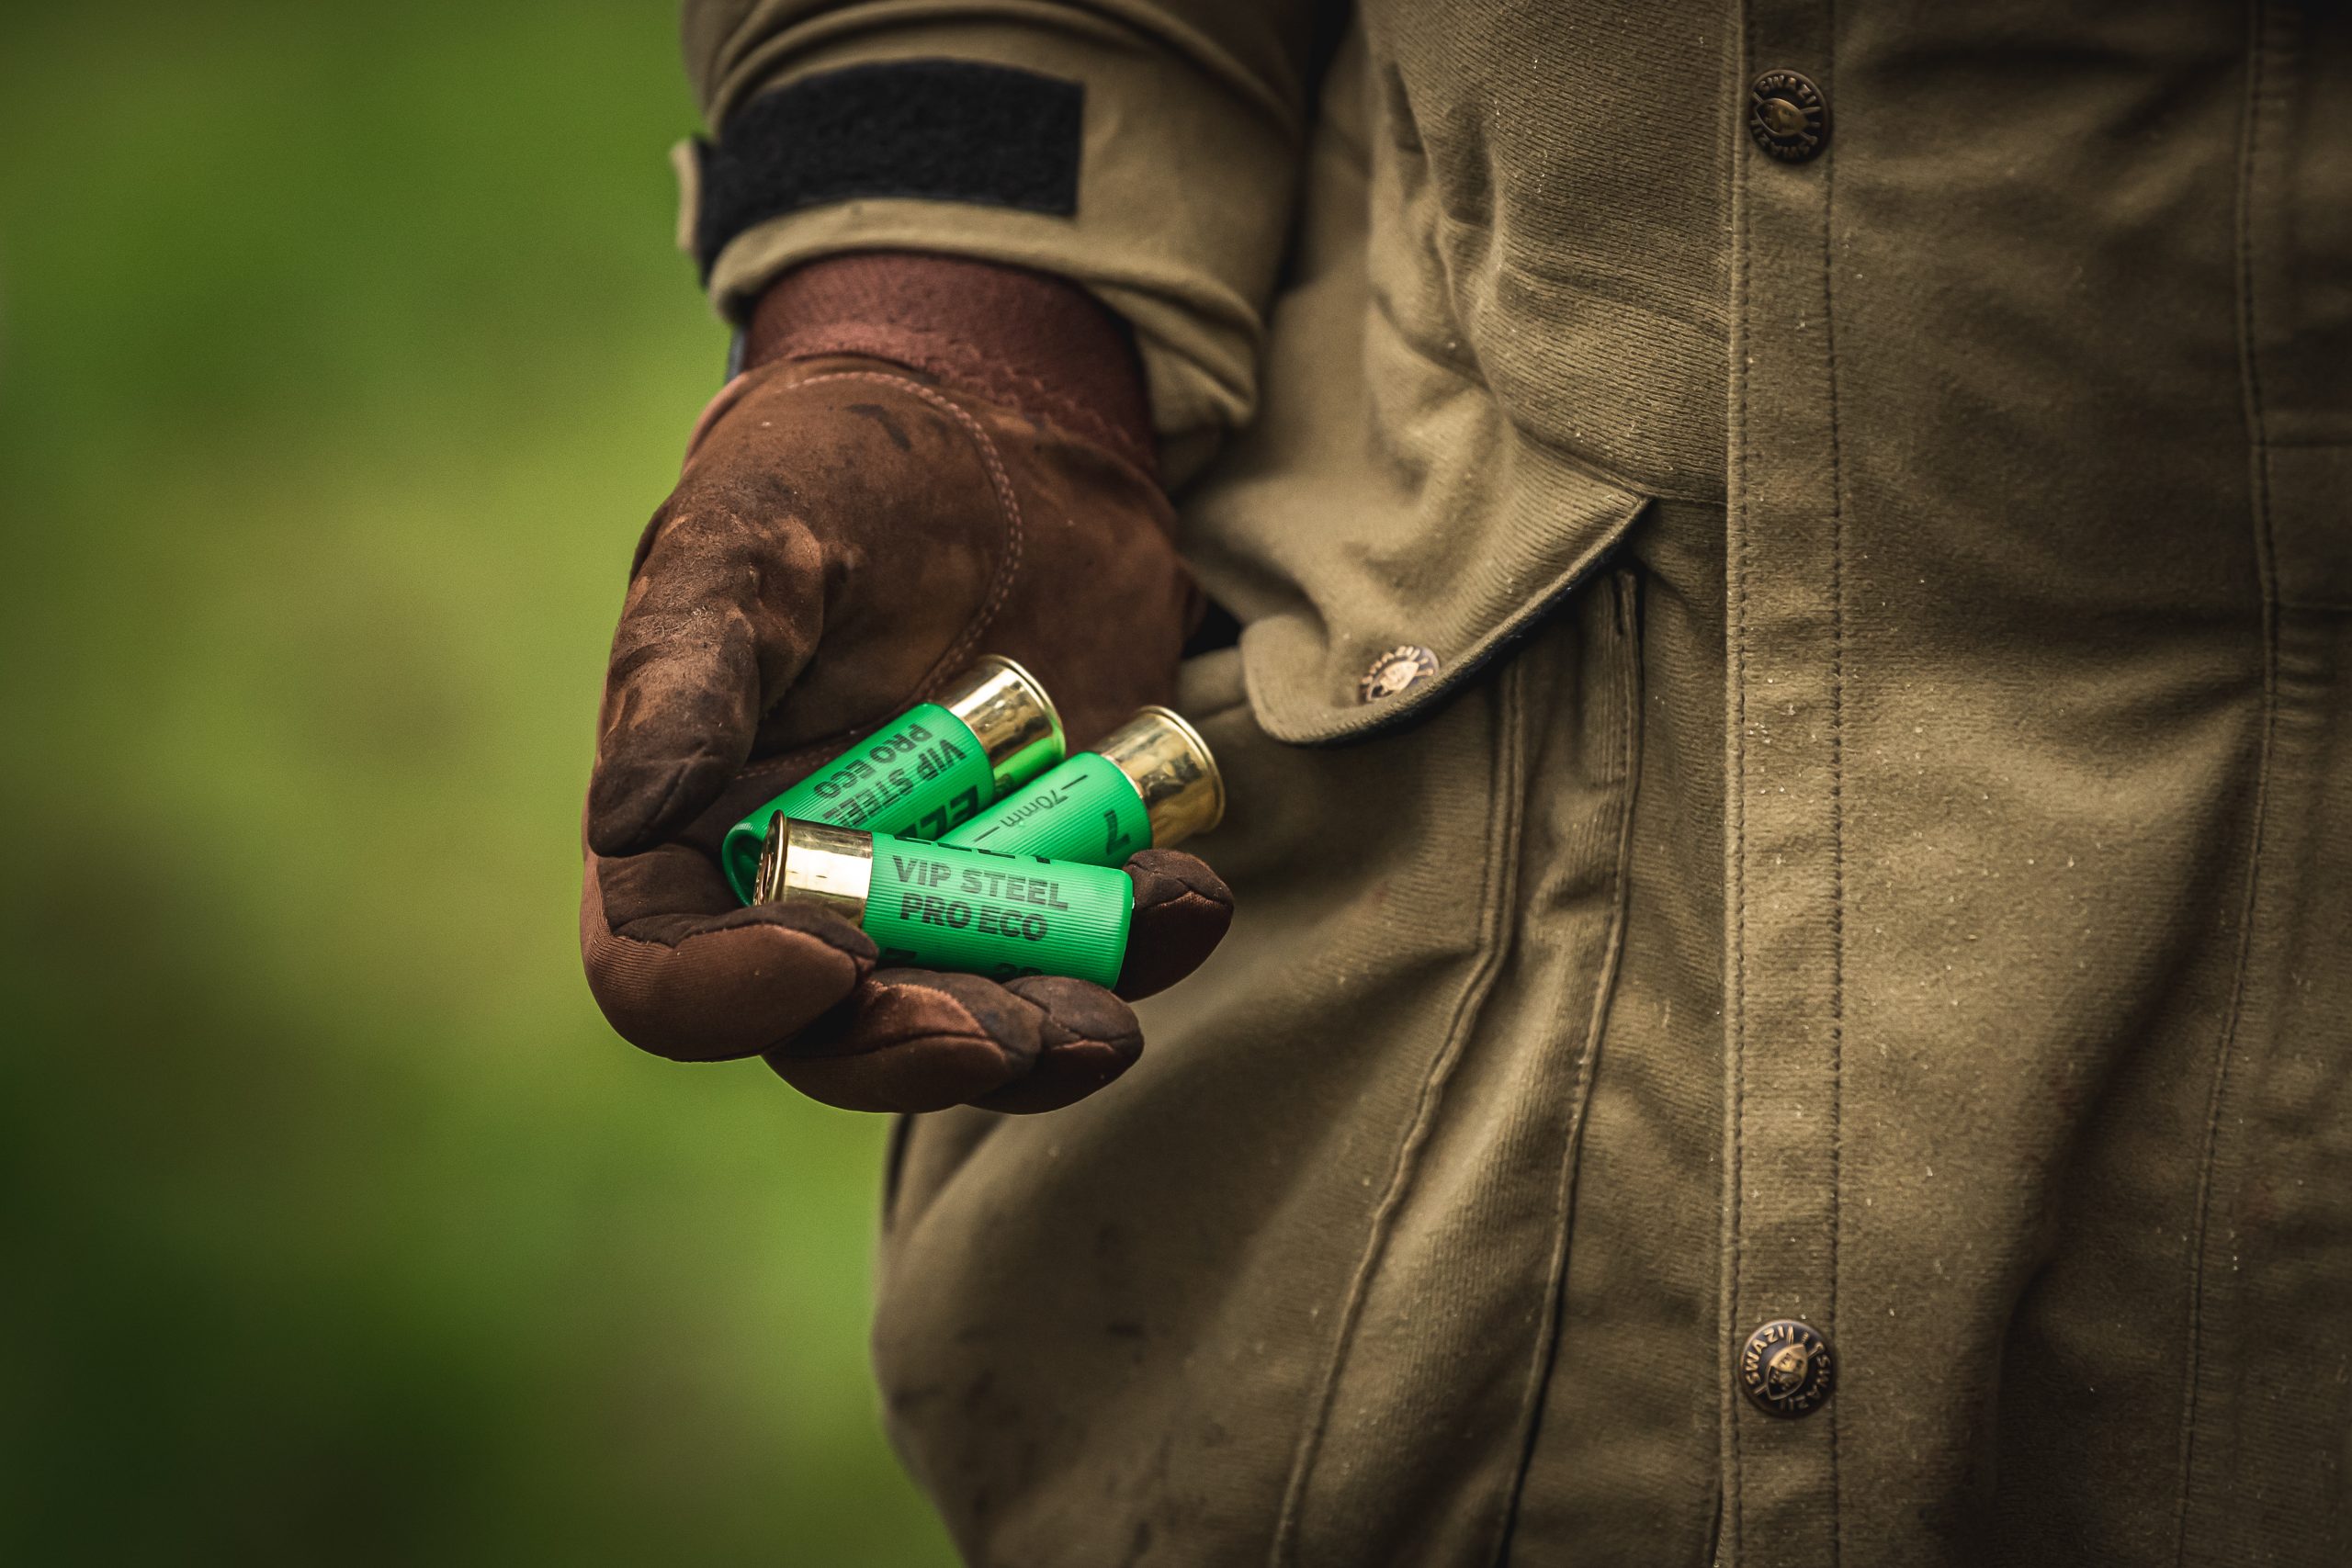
(936,129)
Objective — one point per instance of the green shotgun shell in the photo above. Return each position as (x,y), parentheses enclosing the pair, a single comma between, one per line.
(923,772)
(1151,785)
(937,908)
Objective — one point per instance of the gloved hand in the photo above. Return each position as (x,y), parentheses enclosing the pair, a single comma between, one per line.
(850,530)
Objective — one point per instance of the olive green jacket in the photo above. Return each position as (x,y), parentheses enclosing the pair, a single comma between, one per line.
(1852,823)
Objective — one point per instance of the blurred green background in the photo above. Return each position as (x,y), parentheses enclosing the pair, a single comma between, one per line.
(343,352)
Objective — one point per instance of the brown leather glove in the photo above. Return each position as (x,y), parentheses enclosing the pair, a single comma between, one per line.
(927,460)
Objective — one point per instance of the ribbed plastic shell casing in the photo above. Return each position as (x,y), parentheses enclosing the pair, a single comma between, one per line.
(920,775)
(935,907)
(1084,810)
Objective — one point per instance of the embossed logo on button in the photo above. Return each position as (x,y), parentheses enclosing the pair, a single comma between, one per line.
(1400,668)
(1786,1369)
(1787,116)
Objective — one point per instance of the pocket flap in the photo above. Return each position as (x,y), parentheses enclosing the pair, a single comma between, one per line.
(1383,532)
(1352,656)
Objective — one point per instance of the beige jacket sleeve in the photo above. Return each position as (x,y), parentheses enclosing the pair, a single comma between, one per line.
(1191,121)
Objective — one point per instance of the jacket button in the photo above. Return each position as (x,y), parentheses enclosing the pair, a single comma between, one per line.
(1395,670)
(1787,116)
(1786,1369)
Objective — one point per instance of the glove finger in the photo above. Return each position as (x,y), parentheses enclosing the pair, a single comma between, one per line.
(915,1040)
(1181,911)
(1090,1037)
(680,970)
(719,621)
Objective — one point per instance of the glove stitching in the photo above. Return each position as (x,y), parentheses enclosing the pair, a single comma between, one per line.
(723,400)
(958,358)
(1008,504)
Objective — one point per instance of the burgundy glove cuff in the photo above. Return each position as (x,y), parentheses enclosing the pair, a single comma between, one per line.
(1025,340)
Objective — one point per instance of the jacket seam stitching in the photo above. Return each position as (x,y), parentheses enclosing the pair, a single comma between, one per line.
(1732,1510)
(2266,569)
(1836,811)
(1503,796)
(1626,624)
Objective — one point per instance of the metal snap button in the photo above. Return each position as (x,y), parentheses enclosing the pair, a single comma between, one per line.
(1401,667)
(1786,1369)
(1787,116)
